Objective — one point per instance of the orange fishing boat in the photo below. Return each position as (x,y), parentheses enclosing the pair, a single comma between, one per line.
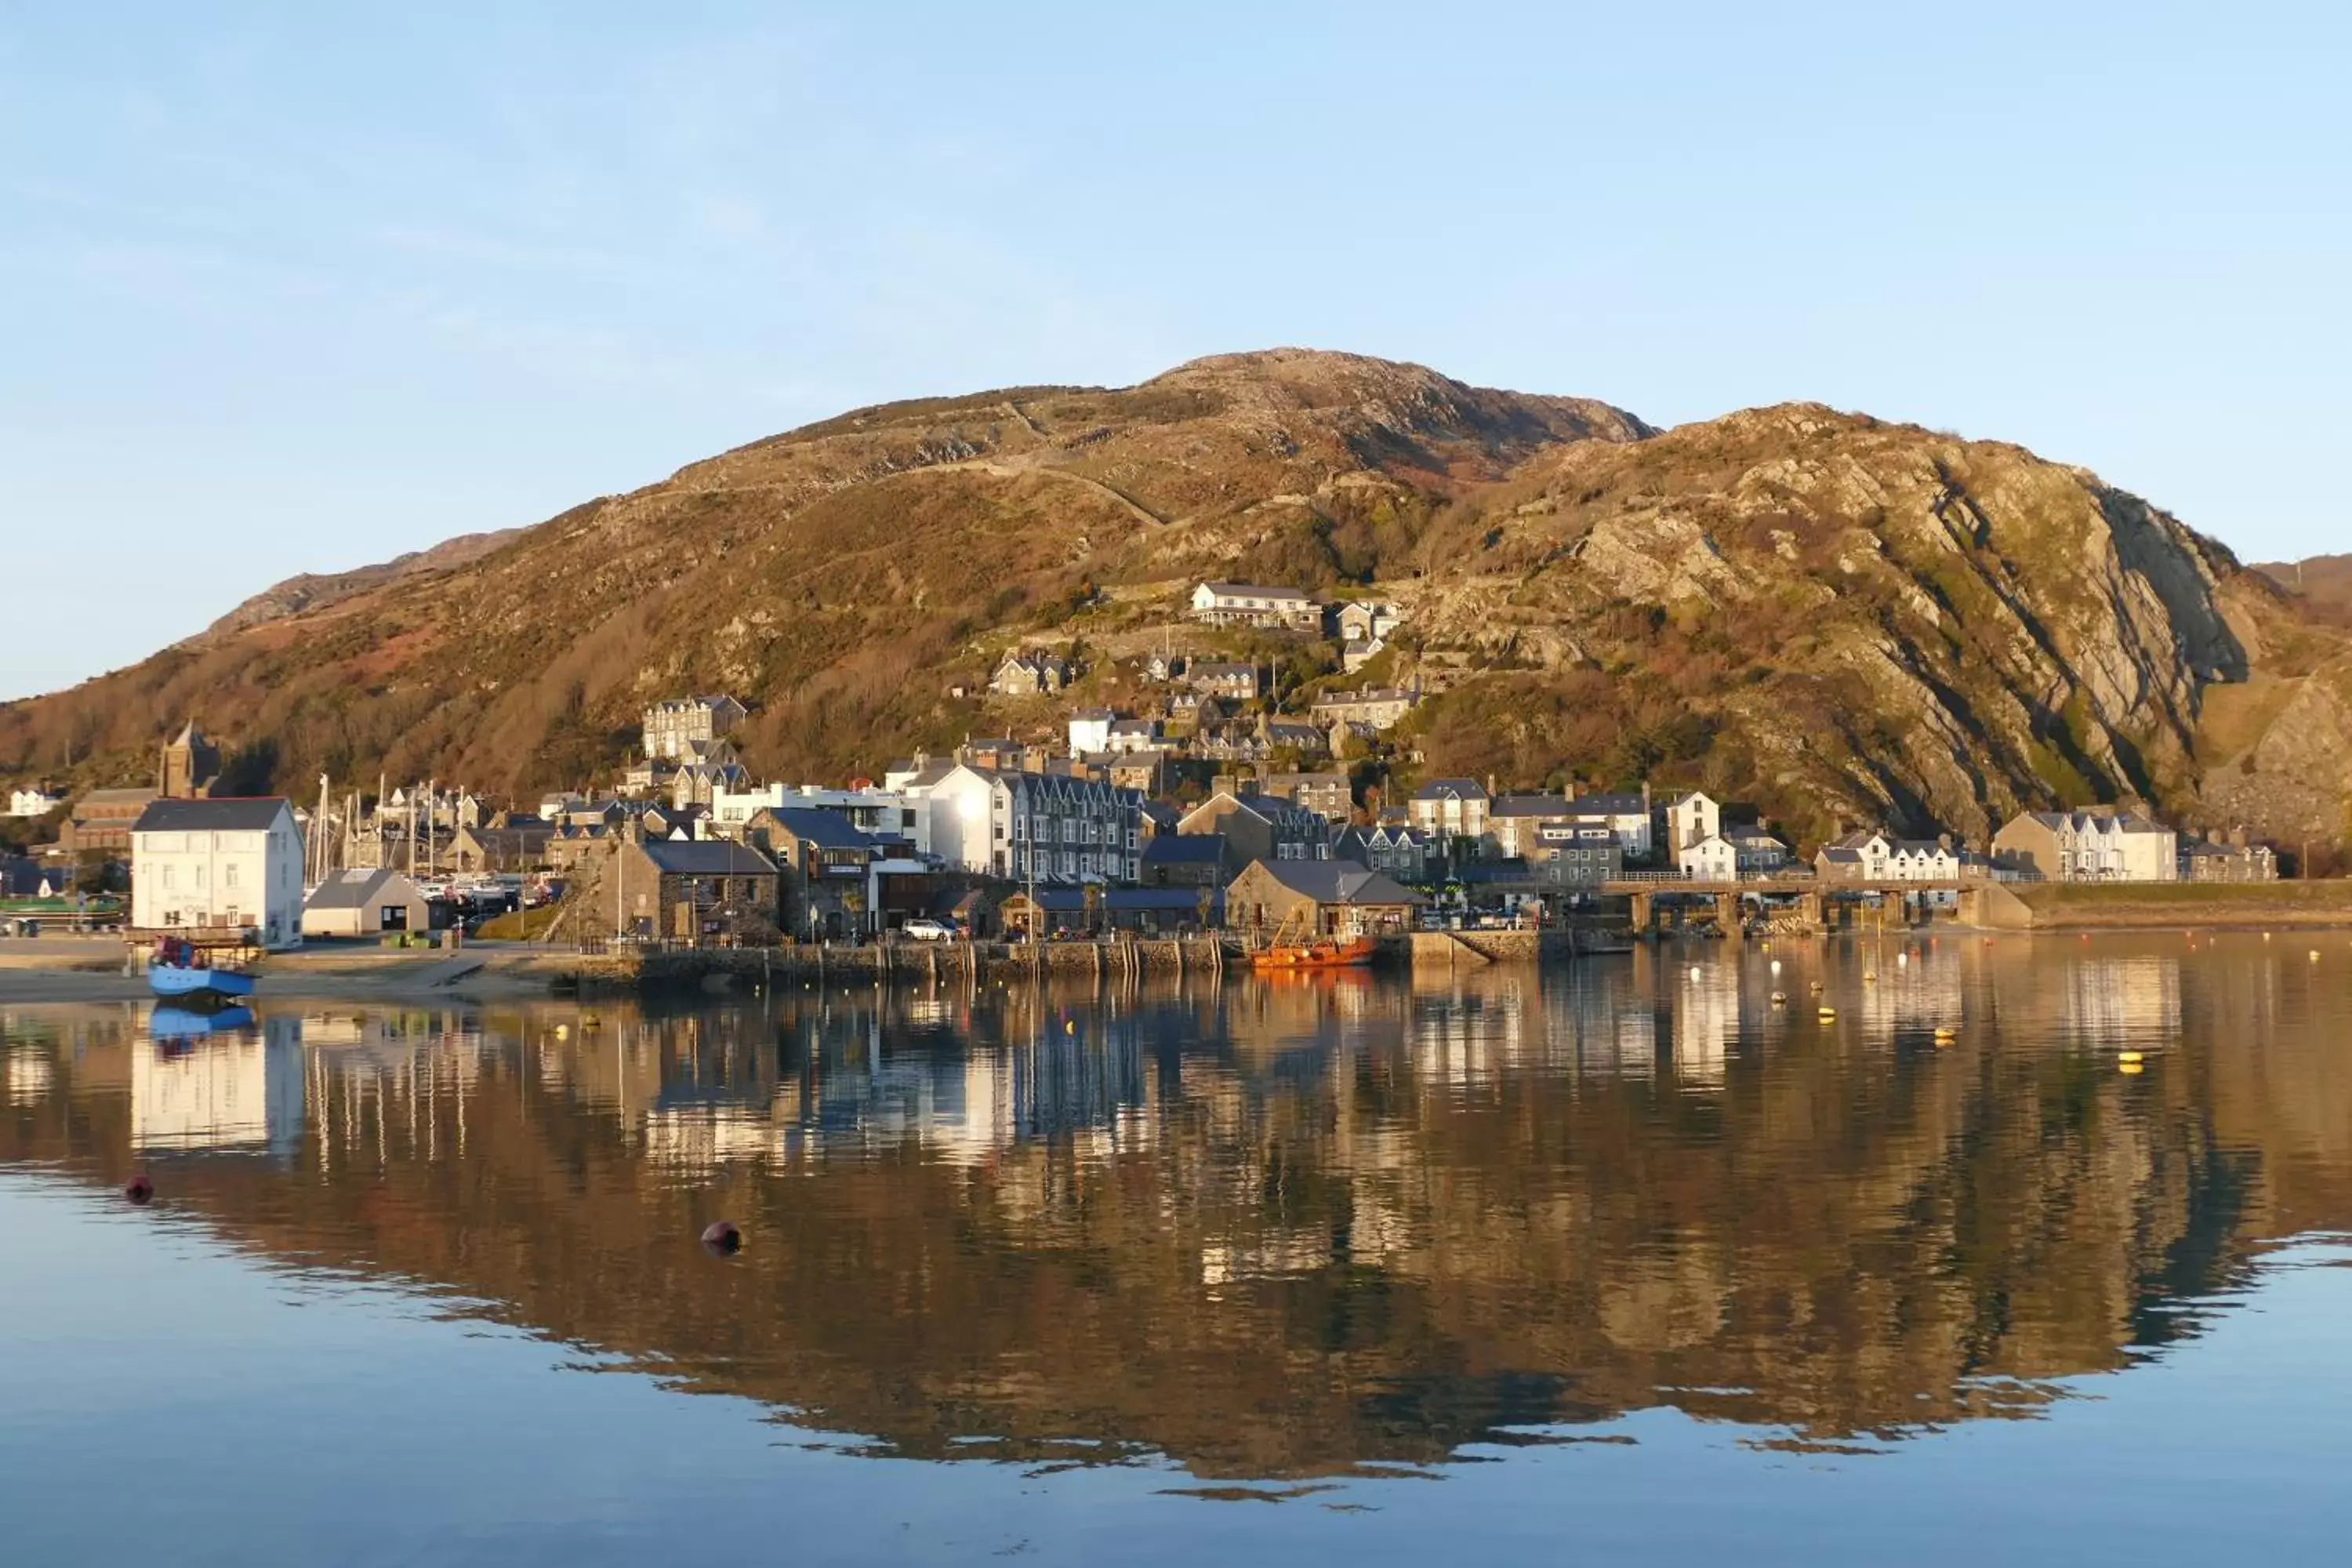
(1330,953)
(1288,954)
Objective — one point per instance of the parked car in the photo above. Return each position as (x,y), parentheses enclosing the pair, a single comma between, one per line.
(924,929)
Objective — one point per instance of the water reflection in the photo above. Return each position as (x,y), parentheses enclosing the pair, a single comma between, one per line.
(1291,1229)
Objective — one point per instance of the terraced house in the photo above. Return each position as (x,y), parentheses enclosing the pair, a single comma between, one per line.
(2102,843)
(1053,827)
(1256,605)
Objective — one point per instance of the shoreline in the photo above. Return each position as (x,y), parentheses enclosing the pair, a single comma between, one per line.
(71,970)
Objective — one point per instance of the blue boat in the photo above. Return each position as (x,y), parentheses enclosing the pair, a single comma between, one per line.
(169,1023)
(176,970)
(178,980)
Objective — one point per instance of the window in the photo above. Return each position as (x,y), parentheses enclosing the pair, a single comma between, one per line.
(229,875)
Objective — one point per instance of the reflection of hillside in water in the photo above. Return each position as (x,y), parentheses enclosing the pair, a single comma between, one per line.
(1284,1229)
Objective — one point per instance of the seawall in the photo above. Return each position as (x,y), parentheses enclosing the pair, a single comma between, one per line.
(2089,906)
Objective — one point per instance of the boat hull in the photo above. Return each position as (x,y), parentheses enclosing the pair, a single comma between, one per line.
(1354,954)
(171,980)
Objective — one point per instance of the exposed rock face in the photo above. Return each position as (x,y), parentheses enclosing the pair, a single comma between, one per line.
(1838,619)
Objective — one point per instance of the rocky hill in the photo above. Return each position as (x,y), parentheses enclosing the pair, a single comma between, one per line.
(1836,618)
(320,591)
(2321,585)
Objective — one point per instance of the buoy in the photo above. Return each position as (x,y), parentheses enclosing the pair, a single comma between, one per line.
(1829,1012)
(2128,1058)
(2129,1068)
(1071,1028)
(587,1020)
(563,1031)
(139,1189)
(1902,958)
(2266,936)
(1776,966)
(723,1237)
(1780,998)
(2314,955)
(1815,988)
(1694,971)
(1870,977)
(1946,1032)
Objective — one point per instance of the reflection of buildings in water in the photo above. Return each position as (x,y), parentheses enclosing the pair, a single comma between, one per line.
(1705,1022)
(240,1089)
(1268,1256)
(698,1139)
(2117,1002)
(29,1076)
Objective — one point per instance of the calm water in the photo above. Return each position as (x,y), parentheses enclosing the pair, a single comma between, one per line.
(1619,1262)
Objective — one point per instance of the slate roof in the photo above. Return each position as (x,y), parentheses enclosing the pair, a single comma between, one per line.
(241,813)
(825,829)
(360,887)
(1529,805)
(707,857)
(1184,849)
(1618,803)
(1438,789)
(1337,882)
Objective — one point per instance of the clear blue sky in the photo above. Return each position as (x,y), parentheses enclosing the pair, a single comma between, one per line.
(298,288)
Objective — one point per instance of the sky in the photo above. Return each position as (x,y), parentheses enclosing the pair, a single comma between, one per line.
(299,288)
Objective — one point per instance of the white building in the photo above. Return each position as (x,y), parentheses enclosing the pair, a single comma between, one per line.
(224,864)
(1056,828)
(1691,819)
(1090,730)
(1624,813)
(2104,845)
(886,813)
(33,802)
(1711,859)
(1256,605)
(1869,856)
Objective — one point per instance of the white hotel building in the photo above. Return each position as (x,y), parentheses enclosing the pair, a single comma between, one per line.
(221,865)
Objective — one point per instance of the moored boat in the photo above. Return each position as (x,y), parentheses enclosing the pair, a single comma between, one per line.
(1326,952)
(178,969)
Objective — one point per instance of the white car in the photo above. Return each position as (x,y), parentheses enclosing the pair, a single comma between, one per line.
(928,931)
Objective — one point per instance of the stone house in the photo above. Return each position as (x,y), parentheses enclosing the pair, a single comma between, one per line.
(1397,851)
(1326,898)
(1258,827)
(1450,808)
(2231,858)
(673,728)
(1223,679)
(1328,795)
(1368,620)
(1021,674)
(1381,707)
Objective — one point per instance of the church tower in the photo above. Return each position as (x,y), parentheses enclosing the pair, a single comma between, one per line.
(191,766)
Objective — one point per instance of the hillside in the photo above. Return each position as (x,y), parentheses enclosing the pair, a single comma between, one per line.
(320,591)
(2321,585)
(1834,617)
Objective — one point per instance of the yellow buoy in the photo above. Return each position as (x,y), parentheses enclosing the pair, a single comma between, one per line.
(2129,1068)
(563,1031)
(1829,1012)
(2128,1057)
(1780,998)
